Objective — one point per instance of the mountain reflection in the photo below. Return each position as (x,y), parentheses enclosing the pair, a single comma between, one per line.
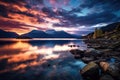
(22,56)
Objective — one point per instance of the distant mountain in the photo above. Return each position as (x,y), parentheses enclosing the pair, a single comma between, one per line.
(61,34)
(5,34)
(36,34)
(51,31)
(48,34)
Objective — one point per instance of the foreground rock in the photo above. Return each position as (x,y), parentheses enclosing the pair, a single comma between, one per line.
(106,77)
(101,71)
(102,58)
(90,71)
(112,69)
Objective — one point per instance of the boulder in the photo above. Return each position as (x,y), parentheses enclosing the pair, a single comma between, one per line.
(87,59)
(90,71)
(111,69)
(114,70)
(104,66)
(106,77)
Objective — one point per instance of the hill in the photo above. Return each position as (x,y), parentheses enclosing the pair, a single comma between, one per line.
(111,31)
(48,34)
(5,34)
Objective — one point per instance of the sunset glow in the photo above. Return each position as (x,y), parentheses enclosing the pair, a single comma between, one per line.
(22,16)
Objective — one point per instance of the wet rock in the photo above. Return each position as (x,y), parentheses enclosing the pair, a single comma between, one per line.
(115,45)
(93,53)
(106,77)
(92,50)
(104,65)
(112,69)
(106,50)
(90,71)
(77,53)
(73,46)
(87,59)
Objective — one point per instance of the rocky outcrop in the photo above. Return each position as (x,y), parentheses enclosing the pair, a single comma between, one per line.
(102,58)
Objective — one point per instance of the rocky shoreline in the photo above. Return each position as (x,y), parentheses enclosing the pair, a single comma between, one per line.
(102,58)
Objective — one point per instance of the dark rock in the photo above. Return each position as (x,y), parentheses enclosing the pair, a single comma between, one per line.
(69,45)
(118,49)
(77,52)
(90,71)
(73,46)
(87,59)
(106,77)
(115,46)
(92,50)
(93,53)
(112,69)
(77,56)
(106,50)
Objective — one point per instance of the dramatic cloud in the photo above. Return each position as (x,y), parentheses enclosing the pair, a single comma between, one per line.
(73,16)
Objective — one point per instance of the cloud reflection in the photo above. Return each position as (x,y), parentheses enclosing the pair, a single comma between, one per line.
(22,54)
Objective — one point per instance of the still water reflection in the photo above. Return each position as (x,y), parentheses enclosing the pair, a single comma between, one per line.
(39,60)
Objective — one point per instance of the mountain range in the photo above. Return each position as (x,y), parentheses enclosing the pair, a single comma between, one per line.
(53,33)
(48,34)
(5,34)
(38,34)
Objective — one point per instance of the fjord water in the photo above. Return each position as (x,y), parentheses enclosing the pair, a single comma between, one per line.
(39,59)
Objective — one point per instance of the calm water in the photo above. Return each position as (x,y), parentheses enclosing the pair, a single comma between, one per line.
(39,59)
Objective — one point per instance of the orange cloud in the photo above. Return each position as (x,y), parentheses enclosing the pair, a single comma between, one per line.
(3,3)
(20,8)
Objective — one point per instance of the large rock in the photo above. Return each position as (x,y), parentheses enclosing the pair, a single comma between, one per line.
(92,53)
(90,71)
(114,70)
(104,66)
(106,77)
(111,69)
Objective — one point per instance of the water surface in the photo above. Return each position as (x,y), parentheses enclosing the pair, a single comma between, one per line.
(39,59)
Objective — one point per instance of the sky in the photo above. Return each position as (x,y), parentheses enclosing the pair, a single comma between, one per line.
(72,16)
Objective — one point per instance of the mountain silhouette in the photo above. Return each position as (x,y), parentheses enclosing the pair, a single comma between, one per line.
(48,34)
(5,34)
(38,34)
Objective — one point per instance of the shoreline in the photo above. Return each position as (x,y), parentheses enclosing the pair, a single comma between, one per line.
(102,55)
